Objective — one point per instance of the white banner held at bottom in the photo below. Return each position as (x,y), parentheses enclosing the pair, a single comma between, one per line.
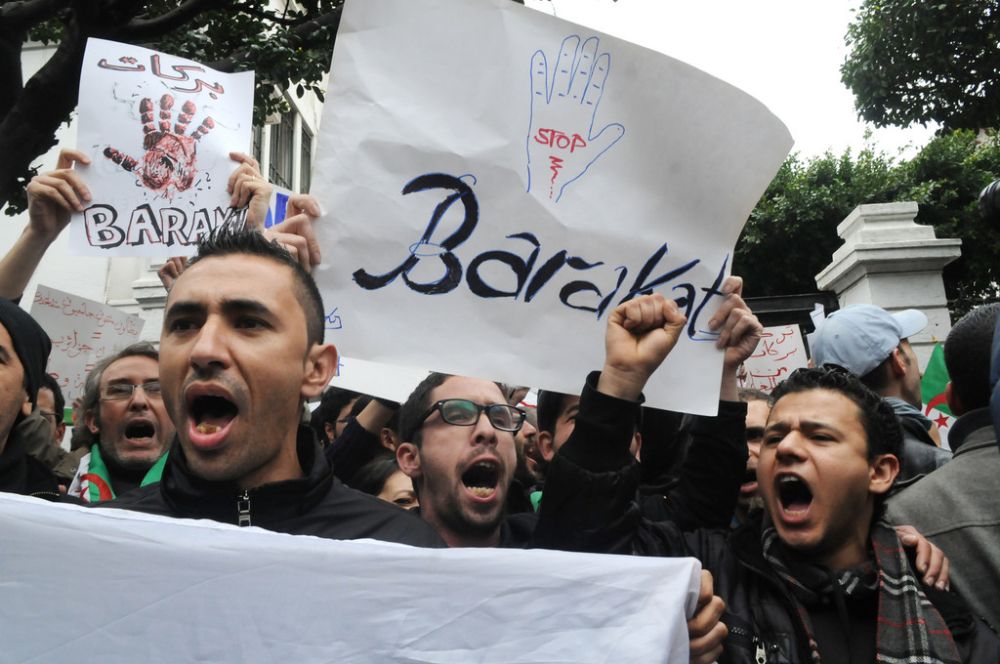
(118,586)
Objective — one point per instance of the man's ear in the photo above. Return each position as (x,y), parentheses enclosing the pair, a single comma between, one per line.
(61,430)
(331,431)
(636,447)
(882,473)
(899,363)
(90,419)
(387,437)
(408,458)
(321,365)
(545,445)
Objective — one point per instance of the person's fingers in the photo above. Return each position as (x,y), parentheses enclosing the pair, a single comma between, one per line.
(296,245)
(49,190)
(944,576)
(707,617)
(671,313)
(299,203)
(168,273)
(302,224)
(244,158)
(733,284)
(68,156)
(707,648)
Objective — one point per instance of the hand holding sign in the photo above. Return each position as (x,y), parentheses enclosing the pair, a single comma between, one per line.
(54,195)
(562,141)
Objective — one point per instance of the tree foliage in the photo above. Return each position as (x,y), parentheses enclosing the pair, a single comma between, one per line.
(792,233)
(926,61)
(285,47)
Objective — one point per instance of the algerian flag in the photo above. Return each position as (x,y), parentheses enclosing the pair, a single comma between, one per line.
(932,393)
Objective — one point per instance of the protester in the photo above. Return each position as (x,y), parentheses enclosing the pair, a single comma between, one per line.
(383,478)
(238,357)
(872,344)
(129,429)
(801,581)
(24,350)
(956,507)
(707,487)
(758,409)
(330,418)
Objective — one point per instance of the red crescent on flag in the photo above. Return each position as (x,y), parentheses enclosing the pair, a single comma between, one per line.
(103,490)
(935,402)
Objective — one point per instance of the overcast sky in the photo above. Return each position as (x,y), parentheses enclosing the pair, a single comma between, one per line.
(786,53)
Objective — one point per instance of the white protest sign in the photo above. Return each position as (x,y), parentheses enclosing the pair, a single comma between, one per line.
(386,381)
(161,590)
(780,352)
(499,180)
(158,130)
(83,332)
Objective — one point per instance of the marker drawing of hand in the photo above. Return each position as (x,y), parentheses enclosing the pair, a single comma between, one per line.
(563,141)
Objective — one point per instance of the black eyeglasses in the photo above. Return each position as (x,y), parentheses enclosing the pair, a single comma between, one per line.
(465,413)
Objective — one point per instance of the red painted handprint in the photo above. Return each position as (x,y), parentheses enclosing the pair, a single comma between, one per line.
(169,158)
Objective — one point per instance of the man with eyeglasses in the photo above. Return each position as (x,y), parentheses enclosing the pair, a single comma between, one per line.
(128,423)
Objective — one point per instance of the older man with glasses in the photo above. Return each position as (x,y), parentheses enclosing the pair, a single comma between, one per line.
(128,423)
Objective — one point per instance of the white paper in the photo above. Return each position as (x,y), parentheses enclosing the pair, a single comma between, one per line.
(780,352)
(386,381)
(454,101)
(83,332)
(158,130)
(117,586)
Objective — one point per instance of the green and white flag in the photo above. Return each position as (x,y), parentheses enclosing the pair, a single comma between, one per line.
(932,387)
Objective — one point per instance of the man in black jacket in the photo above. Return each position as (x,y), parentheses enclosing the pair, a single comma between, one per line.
(237,358)
(24,350)
(819,577)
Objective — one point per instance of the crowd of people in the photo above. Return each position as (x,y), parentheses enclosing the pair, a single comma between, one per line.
(831,525)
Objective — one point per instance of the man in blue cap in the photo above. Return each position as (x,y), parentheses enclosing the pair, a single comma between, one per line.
(873,344)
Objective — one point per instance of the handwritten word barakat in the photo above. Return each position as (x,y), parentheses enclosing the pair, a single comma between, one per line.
(130,64)
(170,226)
(532,275)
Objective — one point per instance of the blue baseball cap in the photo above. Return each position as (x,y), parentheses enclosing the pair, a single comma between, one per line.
(860,337)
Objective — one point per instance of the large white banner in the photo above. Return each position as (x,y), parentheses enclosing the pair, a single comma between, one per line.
(111,586)
(83,332)
(499,180)
(158,130)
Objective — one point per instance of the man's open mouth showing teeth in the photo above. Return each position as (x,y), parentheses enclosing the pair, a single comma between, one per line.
(794,494)
(482,478)
(139,429)
(211,413)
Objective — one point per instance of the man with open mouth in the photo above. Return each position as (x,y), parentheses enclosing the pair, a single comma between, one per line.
(241,349)
(127,423)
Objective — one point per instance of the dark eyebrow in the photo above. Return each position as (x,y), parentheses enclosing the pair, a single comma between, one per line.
(244,306)
(184,308)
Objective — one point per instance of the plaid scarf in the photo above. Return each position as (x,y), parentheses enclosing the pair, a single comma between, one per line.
(910,630)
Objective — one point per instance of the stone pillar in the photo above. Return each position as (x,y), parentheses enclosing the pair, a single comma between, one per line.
(889,260)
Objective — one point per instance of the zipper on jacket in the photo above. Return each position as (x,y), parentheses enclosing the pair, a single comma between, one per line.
(243,509)
(761,655)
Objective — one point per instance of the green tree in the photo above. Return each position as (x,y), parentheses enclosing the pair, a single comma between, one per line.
(792,233)
(925,61)
(294,45)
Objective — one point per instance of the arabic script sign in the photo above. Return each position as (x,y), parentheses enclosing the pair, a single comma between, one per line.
(780,352)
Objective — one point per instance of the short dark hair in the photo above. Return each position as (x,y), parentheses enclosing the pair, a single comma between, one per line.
(548,407)
(372,476)
(747,394)
(879,378)
(92,386)
(882,430)
(967,355)
(330,404)
(416,405)
(228,240)
(59,401)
